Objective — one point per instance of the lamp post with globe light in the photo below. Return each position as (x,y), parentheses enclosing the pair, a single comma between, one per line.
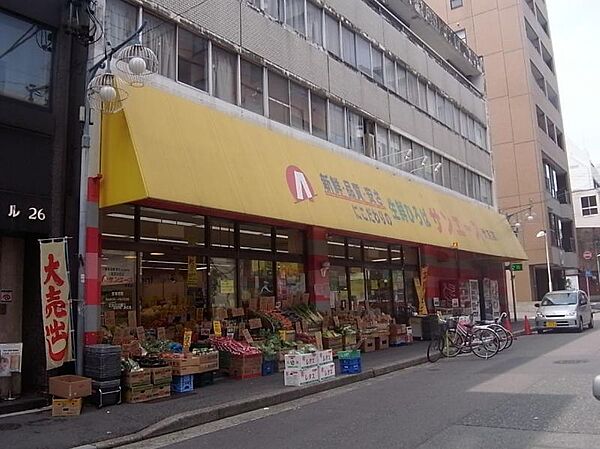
(105,94)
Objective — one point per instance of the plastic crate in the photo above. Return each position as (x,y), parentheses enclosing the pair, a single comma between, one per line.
(269,367)
(353,354)
(182,384)
(102,362)
(350,366)
(204,379)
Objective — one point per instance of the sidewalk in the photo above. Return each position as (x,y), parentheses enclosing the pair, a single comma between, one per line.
(126,423)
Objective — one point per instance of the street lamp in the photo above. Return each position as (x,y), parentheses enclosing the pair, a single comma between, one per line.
(544,234)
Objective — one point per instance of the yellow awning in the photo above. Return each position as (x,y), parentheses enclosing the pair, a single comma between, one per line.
(166,148)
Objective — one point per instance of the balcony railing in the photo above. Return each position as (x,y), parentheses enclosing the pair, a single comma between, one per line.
(436,22)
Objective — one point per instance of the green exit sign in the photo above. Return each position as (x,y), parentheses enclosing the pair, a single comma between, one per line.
(516,267)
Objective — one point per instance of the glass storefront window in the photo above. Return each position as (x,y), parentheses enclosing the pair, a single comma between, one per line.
(357,288)
(222,234)
(291,281)
(376,252)
(411,255)
(354,250)
(173,288)
(223,288)
(396,252)
(336,247)
(117,287)
(378,289)
(409,287)
(289,241)
(256,279)
(255,237)
(338,288)
(171,227)
(118,222)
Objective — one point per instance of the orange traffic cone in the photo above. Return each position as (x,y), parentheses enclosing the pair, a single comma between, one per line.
(527,326)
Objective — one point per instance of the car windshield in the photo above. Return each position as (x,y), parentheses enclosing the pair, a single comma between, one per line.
(561,299)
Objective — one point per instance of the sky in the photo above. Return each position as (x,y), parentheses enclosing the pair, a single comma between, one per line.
(575,32)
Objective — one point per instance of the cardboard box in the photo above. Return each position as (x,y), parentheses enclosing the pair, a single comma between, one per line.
(301,360)
(184,366)
(368,344)
(297,377)
(140,393)
(382,342)
(327,371)
(135,378)
(70,387)
(66,407)
(208,362)
(161,375)
(334,343)
(325,356)
(161,391)
(349,341)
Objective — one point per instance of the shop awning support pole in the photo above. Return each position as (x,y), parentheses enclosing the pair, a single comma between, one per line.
(514,298)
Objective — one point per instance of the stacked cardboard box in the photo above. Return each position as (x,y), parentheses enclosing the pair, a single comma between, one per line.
(68,392)
(304,369)
(400,334)
(138,385)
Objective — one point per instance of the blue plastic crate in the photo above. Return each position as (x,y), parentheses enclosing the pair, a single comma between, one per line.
(182,384)
(350,366)
(269,367)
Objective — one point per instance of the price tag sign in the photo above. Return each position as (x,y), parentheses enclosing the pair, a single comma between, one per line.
(6,295)
(247,336)
(187,340)
(217,328)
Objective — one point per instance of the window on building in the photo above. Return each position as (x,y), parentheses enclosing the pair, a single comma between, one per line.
(377,57)
(471,128)
(413,89)
(431,106)
(553,97)
(254,237)
(224,74)
(192,60)
(538,77)
(418,160)
(456,114)
(456,4)
(255,278)
(541,118)
(551,130)
(332,35)
(449,114)
(462,180)
(532,36)
(223,282)
(547,57)
(299,106)
(26,60)
(252,87)
(550,179)
(455,175)
(402,83)
(294,15)
(222,233)
(464,125)
(383,149)
(475,186)
(159,36)
(542,20)
(289,241)
(279,99)
(560,139)
(440,102)
(120,22)
(356,133)
(486,191)
(318,107)
(428,167)
(438,176)
(314,23)
(394,157)
(422,95)
(462,35)
(275,9)
(589,205)
(390,73)
(363,55)
(337,124)
(407,156)
(446,175)
(348,46)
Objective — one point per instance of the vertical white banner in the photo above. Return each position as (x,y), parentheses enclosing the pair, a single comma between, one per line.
(56,303)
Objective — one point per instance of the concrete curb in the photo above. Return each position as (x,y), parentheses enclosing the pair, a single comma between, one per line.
(205,415)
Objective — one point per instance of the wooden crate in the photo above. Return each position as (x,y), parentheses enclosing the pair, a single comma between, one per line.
(135,378)
(140,393)
(368,344)
(161,391)
(382,342)
(349,341)
(208,362)
(334,343)
(184,366)
(161,375)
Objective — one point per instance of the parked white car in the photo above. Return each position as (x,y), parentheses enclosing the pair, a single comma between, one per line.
(564,309)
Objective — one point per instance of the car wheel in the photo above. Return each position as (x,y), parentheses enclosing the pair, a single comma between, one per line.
(591,325)
(580,326)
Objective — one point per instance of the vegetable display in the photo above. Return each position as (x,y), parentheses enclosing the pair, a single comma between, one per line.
(234,347)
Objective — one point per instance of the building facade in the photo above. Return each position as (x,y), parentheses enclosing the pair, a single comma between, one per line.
(41,89)
(293,148)
(585,181)
(526,129)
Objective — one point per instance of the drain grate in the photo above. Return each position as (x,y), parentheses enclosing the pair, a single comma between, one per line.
(571,362)
(9,426)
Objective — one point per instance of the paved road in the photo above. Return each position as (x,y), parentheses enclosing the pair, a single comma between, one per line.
(537,395)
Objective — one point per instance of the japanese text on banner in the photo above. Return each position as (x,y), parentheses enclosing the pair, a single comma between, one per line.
(56,305)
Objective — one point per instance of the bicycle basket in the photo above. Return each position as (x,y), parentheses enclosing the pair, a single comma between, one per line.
(438,328)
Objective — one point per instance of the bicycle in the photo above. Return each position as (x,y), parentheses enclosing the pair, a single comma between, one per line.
(441,343)
(466,337)
(506,336)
